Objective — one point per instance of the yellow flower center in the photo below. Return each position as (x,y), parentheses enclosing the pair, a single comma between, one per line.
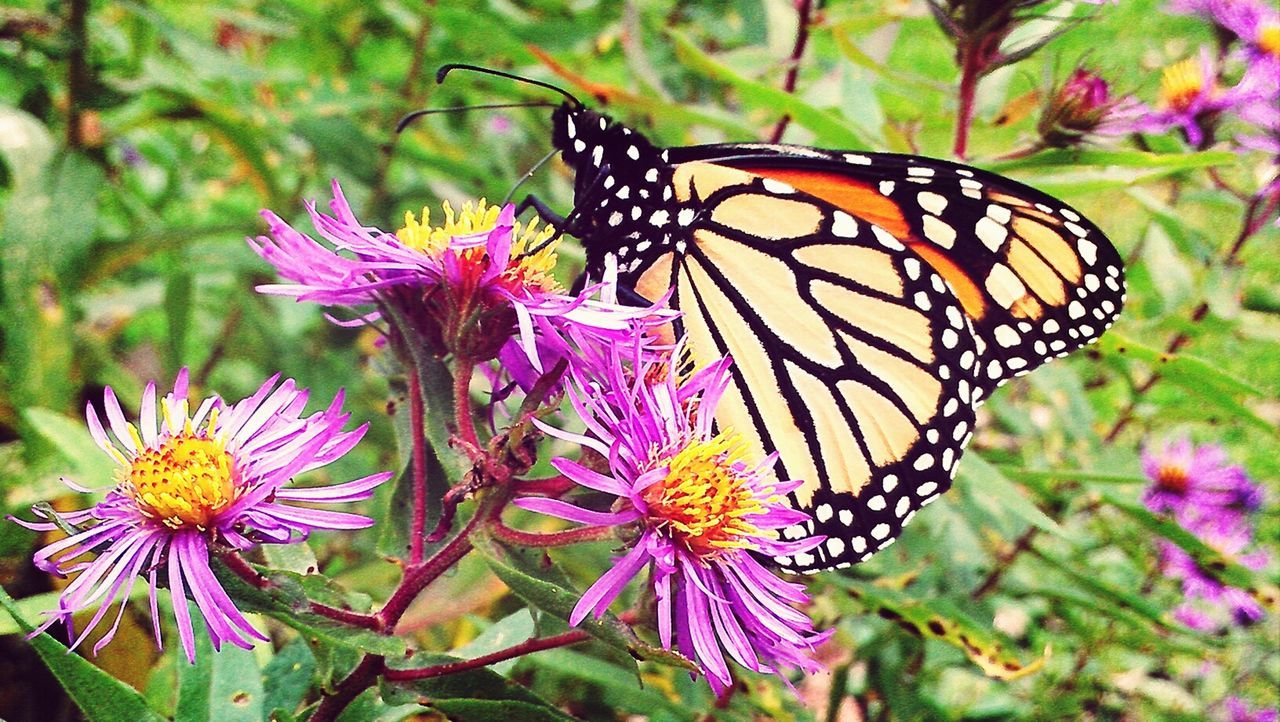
(1181,83)
(1269,39)
(705,502)
(530,271)
(187,481)
(1172,478)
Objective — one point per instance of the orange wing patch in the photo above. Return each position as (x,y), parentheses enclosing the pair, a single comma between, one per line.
(968,292)
(853,197)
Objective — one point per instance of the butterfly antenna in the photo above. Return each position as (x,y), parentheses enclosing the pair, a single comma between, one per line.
(528,174)
(446,69)
(409,119)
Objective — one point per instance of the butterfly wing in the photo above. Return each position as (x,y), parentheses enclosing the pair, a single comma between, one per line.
(847,350)
(1036,278)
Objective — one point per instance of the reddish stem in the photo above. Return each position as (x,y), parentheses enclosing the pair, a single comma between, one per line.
(360,679)
(245,571)
(550,539)
(804,8)
(538,644)
(970,71)
(462,401)
(416,578)
(416,429)
(552,486)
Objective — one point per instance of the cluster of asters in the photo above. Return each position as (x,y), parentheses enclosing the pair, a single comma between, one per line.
(1240,78)
(1212,499)
(689,504)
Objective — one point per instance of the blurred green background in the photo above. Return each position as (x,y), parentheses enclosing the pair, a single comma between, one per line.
(138,141)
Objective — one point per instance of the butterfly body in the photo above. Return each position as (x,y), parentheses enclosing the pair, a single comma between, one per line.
(870,302)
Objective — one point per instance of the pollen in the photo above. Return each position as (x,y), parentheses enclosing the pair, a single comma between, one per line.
(532,256)
(185,482)
(1173,478)
(1269,39)
(706,502)
(1181,83)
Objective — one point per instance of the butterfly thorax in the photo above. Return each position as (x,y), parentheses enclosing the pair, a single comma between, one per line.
(623,189)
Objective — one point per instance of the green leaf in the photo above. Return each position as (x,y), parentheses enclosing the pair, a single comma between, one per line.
(1208,559)
(32,607)
(469,685)
(548,590)
(90,465)
(992,490)
(222,686)
(1203,379)
(506,632)
(1105,590)
(437,397)
(1121,158)
(492,710)
(938,619)
(101,697)
(617,686)
(288,677)
(288,599)
(338,140)
(830,129)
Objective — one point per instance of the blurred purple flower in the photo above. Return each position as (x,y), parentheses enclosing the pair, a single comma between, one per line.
(468,285)
(190,482)
(1257,25)
(1192,99)
(1237,710)
(1210,498)
(703,507)
(1190,481)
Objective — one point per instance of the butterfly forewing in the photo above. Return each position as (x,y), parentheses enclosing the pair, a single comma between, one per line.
(1037,279)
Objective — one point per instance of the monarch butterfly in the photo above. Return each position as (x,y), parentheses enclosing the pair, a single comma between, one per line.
(870,301)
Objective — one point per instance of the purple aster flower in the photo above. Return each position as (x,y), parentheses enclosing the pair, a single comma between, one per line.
(1192,99)
(1190,481)
(1083,108)
(1237,710)
(189,485)
(467,285)
(1257,25)
(1209,603)
(702,506)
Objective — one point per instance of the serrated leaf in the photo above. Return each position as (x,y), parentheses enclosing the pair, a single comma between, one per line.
(101,697)
(937,619)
